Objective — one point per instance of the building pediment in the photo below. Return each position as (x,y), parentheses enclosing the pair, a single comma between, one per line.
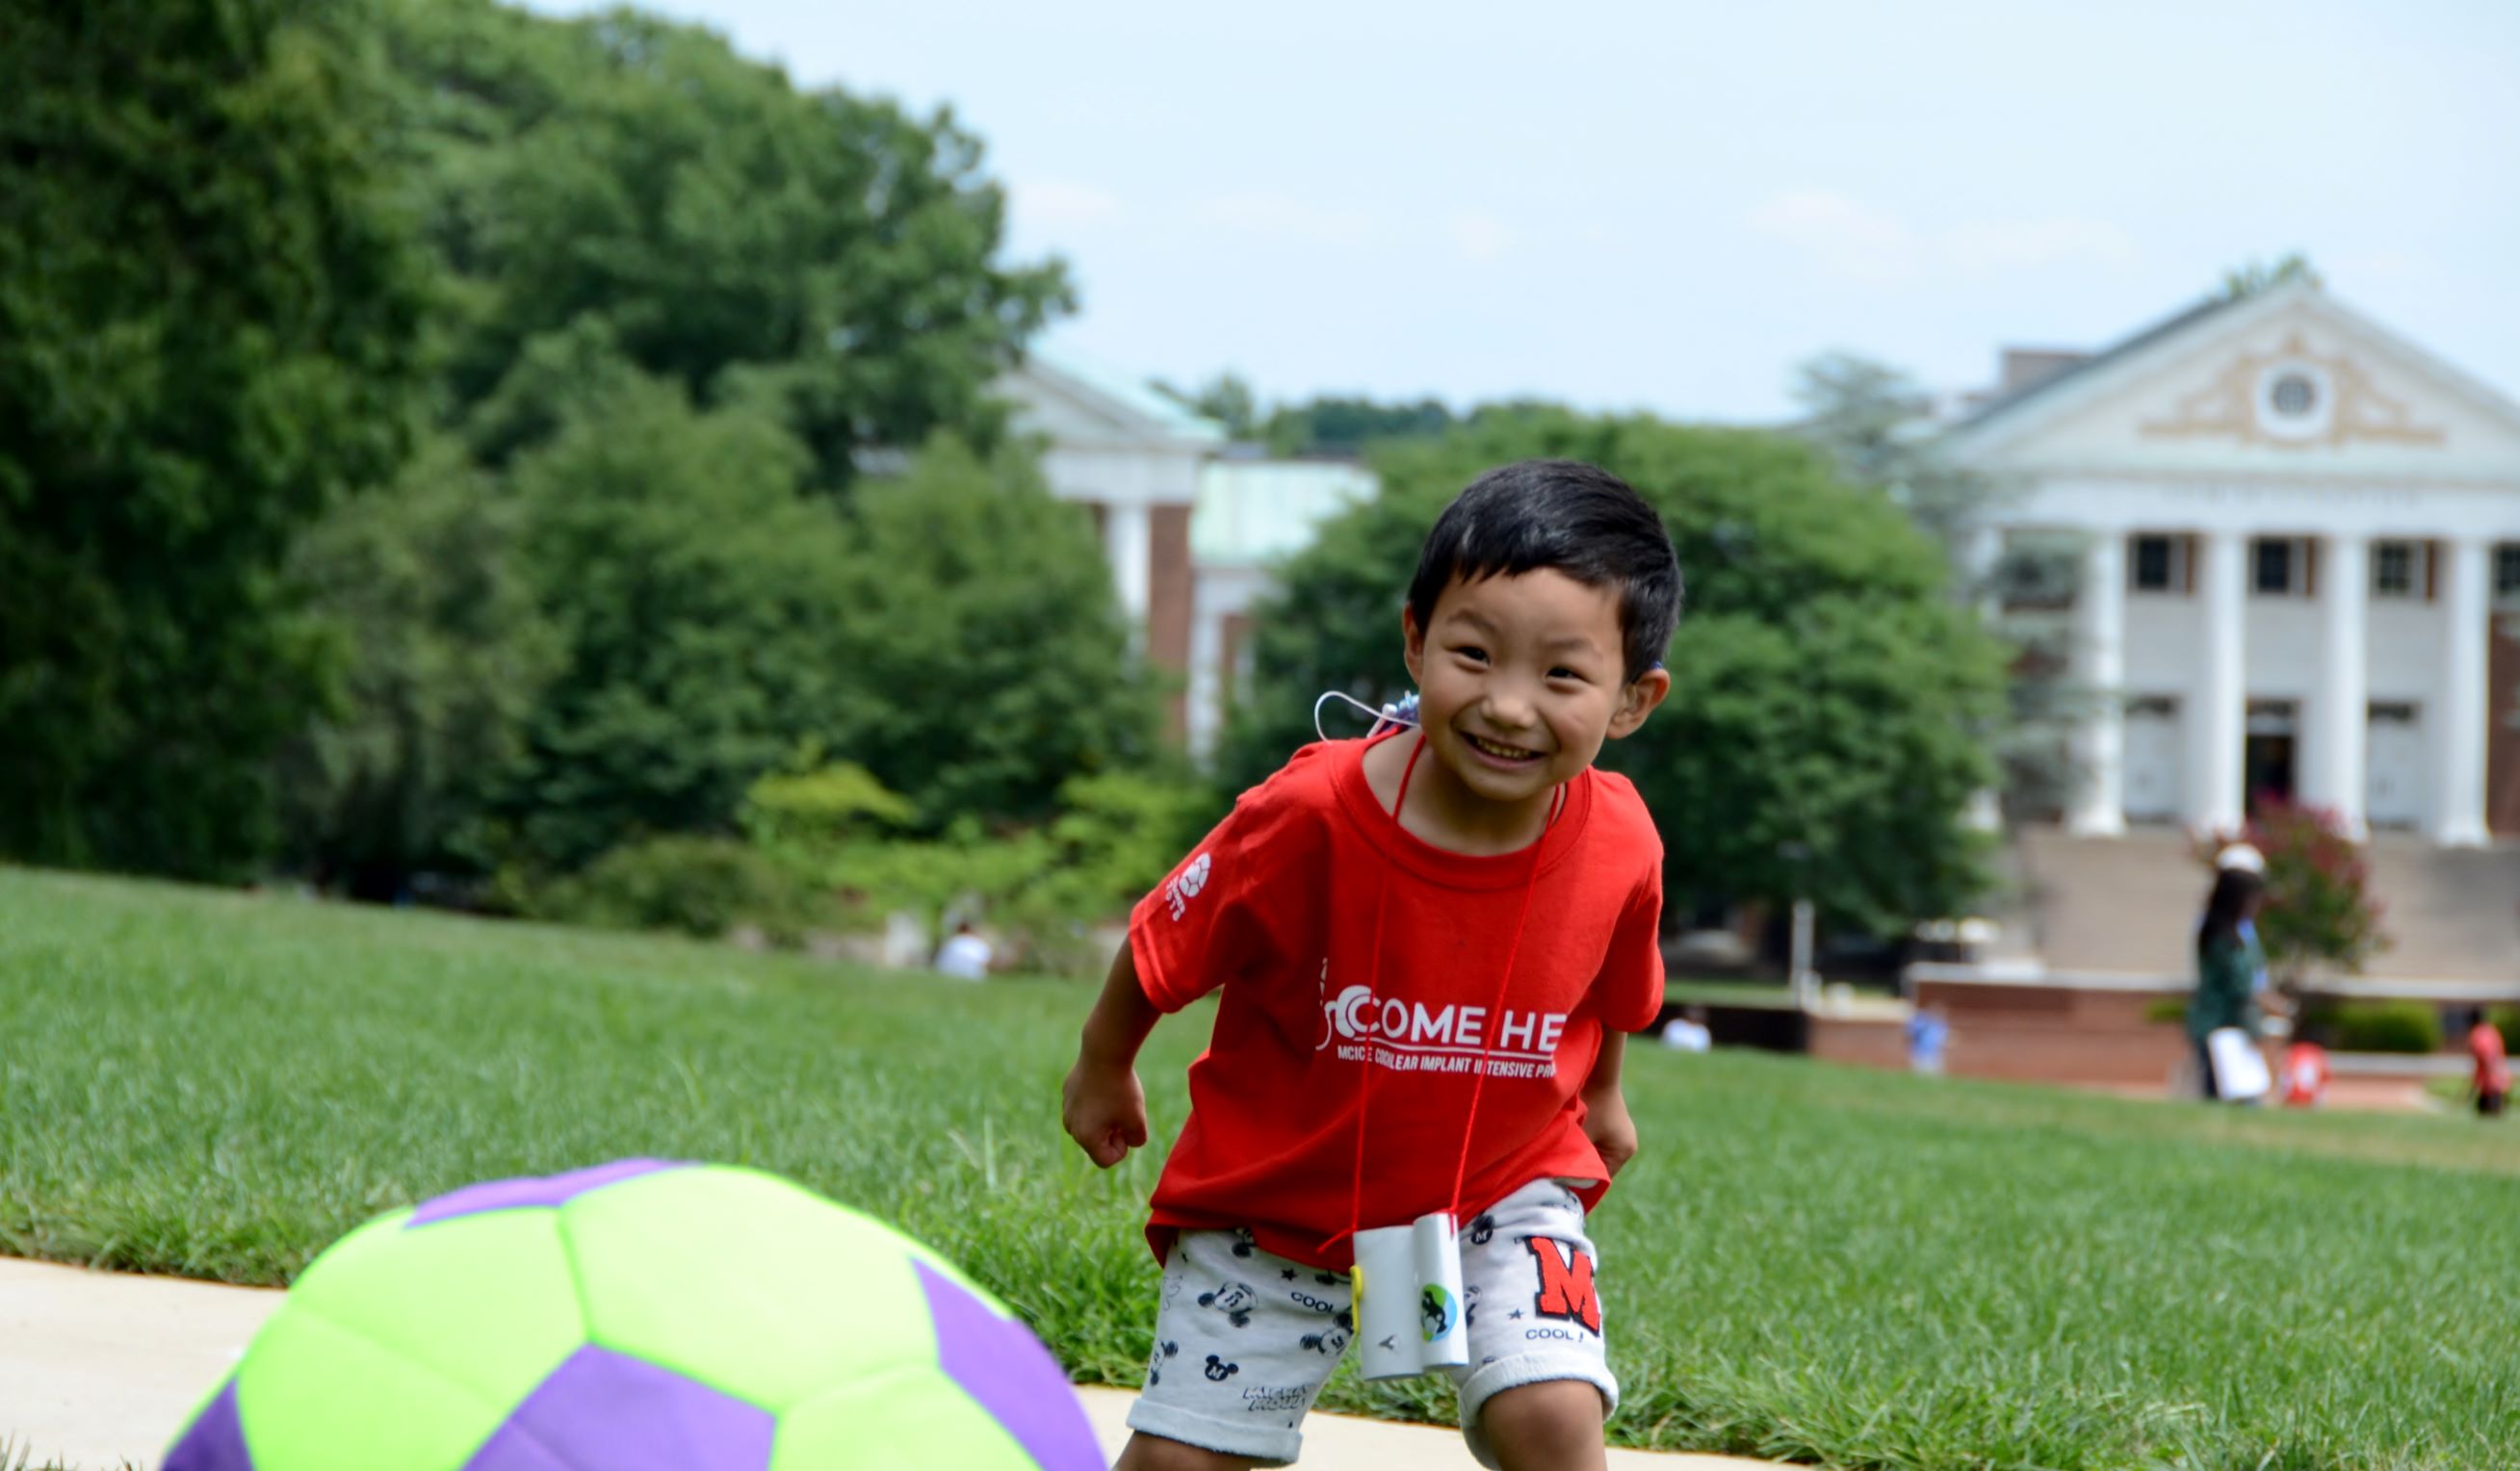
(1073,403)
(2288,384)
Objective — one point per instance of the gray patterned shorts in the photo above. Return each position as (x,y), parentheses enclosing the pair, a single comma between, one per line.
(1245,1339)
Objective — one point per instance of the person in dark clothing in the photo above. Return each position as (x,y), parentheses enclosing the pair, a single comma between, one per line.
(2227,962)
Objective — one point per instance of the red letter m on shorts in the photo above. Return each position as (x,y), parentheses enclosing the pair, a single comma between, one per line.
(1565,1282)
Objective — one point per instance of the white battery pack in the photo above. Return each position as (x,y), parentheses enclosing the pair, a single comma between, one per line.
(1386,1303)
(1410,1315)
(1443,1334)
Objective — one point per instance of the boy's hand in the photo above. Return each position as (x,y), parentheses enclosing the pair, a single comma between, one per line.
(1607,1124)
(1105,1110)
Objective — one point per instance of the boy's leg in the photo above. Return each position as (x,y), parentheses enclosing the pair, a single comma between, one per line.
(1538,1388)
(1554,1425)
(1152,1452)
(1244,1341)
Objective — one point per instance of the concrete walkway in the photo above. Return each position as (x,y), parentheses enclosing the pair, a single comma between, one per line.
(98,1371)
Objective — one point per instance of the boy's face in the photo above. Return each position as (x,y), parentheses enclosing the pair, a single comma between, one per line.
(1520,679)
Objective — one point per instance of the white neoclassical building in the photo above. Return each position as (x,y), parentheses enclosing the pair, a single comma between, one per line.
(1192,526)
(2299,530)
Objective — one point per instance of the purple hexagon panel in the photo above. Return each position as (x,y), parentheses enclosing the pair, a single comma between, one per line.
(1000,1364)
(606,1411)
(216,1439)
(533,1191)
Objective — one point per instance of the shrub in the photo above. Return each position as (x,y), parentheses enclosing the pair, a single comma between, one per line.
(2506,1020)
(702,887)
(836,829)
(2376,1026)
(2319,905)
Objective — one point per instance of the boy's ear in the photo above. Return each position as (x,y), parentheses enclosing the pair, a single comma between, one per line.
(1637,701)
(1412,644)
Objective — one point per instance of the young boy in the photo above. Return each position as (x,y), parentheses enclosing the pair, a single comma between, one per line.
(1429,945)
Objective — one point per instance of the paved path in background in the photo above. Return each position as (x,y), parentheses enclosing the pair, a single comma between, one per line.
(98,1370)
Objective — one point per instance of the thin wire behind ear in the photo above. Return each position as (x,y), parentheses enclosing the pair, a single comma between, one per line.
(1400,712)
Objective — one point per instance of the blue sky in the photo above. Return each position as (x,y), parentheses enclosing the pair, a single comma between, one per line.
(1668,205)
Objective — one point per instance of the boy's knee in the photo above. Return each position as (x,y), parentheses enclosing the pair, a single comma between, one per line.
(1557,1422)
(1153,1452)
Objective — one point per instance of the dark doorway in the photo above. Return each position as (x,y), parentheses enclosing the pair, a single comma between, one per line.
(2269,765)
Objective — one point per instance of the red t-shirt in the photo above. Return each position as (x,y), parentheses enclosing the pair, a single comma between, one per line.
(1276,908)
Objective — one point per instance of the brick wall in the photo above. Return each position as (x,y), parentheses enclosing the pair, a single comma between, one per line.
(2051,1033)
(1168,609)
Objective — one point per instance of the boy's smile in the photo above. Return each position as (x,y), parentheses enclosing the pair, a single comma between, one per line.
(1520,679)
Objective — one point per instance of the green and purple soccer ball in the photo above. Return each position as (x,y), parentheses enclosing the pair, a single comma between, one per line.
(638,1317)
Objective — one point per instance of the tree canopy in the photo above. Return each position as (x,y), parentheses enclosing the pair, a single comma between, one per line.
(1821,737)
(631,181)
(209,312)
(644,306)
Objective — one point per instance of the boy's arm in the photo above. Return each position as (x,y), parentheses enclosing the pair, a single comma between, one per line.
(1101,1103)
(1606,1108)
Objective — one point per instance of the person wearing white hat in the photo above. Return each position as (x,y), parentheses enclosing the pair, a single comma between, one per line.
(2242,858)
(2223,1017)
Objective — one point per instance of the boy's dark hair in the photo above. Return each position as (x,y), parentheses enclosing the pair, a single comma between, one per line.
(1572,518)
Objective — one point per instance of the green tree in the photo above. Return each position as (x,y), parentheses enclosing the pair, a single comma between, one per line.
(1226,398)
(1876,424)
(988,658)
(952,631)
(2256,275)
(446,653)
(2319,908)
(1818,741)
(208,311)
(1331,424)
(827,256)
(698,602)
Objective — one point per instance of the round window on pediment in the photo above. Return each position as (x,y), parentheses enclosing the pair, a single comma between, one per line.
(2295,402)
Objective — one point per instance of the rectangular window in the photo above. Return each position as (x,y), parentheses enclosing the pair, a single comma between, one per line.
(2506,571)
(2274,560)
(2393,569)
(2154,562)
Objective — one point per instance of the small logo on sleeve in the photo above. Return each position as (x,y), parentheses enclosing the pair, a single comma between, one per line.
(1184,885)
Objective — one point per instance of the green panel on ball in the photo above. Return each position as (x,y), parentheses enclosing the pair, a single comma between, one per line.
(310,1387)
(411,1339)
(920,1418)
(748,1283)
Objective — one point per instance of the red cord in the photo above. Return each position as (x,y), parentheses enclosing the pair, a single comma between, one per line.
(1496,1020)
(1496,1013)
(1374,973)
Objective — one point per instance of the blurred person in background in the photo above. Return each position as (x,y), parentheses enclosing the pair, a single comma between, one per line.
(964,955)
(1687,1031)
(2305,1075)
(2491,1083)
(2228,962)
(1929,1032)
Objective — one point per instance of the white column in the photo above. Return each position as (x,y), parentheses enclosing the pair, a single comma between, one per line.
(1129,541)
(2339,776)
(2458,802)
(2218,702)
(1984,552)
(1207,673)
(2099,667)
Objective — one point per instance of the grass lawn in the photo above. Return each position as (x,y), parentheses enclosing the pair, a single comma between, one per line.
(1828,1266)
